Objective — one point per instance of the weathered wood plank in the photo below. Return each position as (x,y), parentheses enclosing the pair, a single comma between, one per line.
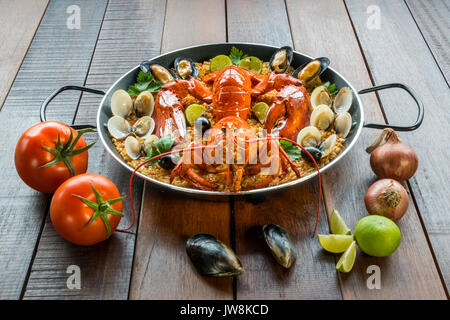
(23,209)
(432,17)
(313,275)
(14,41)
(410,273)
(397,53)
(105,268)
(162,269)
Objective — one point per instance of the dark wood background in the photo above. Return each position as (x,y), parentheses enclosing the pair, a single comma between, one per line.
(149,261)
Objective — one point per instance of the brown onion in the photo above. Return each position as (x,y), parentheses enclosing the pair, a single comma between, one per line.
(388,198)
(393,159)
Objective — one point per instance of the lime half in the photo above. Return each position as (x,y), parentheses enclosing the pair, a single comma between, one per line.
(251,64)
(335,243)
(193,112)
(260,110)
(345,263)
(338,225)
(219,62)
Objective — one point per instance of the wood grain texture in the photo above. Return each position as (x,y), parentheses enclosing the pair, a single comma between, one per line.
(258,21)
(397,53)
(294,209)
(432,17)
(162,269)
(51,61)
(105,268)
(14,41)
(410,273)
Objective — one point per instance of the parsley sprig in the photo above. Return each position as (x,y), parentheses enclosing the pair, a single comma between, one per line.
(292,151)
(144,82)
(237,55)
(331,87)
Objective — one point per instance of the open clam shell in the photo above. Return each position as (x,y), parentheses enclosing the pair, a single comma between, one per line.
(281,59)
(328,145)
(185,67)
(309,71)
(309,137)
(121,103)
(159,72)
(343,100)
(322,117)
(143,127)
(118,127)
(343,123)
(144,104)
(212,257)
(132,147)
(320,95)
(280,245)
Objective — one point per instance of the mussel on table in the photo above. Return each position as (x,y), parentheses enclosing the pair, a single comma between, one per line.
(185,67)
(309,71)
(212,257)
(160,73)
(279,244)
(281,59)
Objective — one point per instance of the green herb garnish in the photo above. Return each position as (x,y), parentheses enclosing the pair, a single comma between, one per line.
(331,87)
(292,151)
(144,82)
(163,145)
(237,55)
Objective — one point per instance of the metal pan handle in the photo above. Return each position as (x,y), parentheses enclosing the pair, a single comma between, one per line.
(64,88)
(411,93)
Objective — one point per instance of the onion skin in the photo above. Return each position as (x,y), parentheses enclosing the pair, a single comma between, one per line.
(388,198)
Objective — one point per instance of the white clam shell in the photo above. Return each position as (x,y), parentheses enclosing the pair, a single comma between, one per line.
(121,103)
(132,147)
(144,104)
(343,100)
(149,141)
(143,127)
(320,95)
(322,117)
(309,137)
(328,145)
(118,127)
(343,123)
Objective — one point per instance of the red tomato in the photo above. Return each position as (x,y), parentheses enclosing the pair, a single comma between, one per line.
(30,155)
(73,208)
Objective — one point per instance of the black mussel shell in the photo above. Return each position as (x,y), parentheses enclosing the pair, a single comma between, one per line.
(324,63)
(211,257)
(169,161)
(285,65)
(316,153)
(147,66)
(178,65)
(279,244)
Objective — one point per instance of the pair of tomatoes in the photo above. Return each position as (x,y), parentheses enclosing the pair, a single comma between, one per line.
(52,157)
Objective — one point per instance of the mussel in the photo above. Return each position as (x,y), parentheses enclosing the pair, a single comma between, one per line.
(185,67)
(211,257)
(279,244)
(160,73)
(281,59)
(343,100)
(314,152)
(309,71)
(322,117)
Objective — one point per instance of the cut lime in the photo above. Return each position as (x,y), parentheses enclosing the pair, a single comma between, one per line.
(338,225)
(260,110)
(345,263)
(193,112)
(219,62)
(335,243)
(251,64)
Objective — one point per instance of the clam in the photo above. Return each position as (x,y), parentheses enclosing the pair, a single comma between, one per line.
(328,145)
(343,123)
(132,147)
(162,74)
(211,257)
(143,127)
(144,104)
(281,59)
(309,137)
(121,103)
(322,117)
(185,67)
(309,71)
(279,244)
(118,127)
(320,95)
(343,100)
(150,141)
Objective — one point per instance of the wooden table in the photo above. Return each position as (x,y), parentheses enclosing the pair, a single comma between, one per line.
(149,262)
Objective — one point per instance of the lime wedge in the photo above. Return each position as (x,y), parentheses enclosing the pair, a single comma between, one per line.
(345,263)
(260,110)
(251,64)
(219,62)
(338,225)
(335,243)
(193,112)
